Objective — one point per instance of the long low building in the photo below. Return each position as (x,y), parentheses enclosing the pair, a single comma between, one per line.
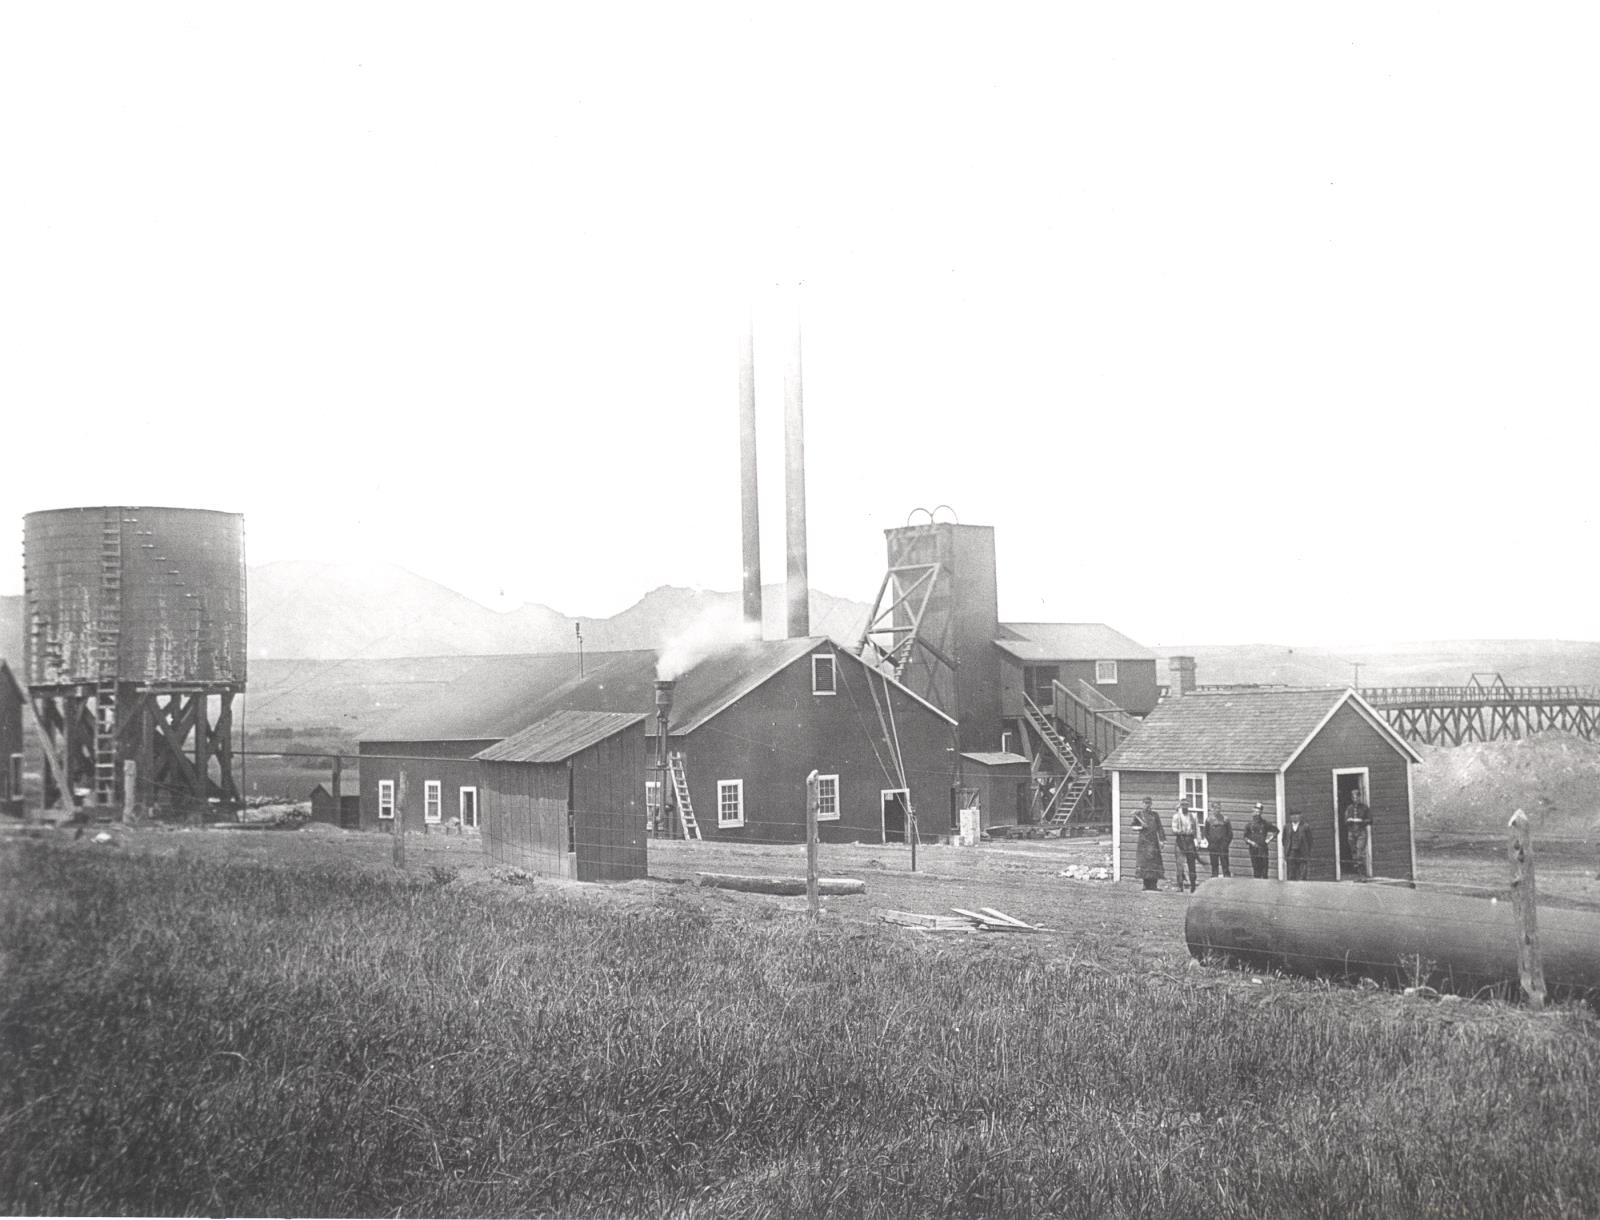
(750,724)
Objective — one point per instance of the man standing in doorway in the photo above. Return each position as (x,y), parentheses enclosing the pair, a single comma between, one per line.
(1297,847)
(1357,820)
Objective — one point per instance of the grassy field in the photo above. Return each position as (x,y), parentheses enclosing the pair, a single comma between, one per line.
(254,1023)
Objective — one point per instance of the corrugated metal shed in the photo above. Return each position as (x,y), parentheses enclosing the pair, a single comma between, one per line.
(1233,731)
(1069,642)
(559,736)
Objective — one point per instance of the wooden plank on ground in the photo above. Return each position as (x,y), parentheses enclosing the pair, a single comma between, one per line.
(782,885)
(1004,918)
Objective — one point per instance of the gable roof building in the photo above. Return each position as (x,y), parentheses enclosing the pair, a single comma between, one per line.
(1292,750)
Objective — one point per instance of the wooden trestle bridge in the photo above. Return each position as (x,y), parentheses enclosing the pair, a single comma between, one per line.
(1486,711)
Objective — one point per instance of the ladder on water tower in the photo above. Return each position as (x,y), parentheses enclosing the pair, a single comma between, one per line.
(680,790)
(108,649)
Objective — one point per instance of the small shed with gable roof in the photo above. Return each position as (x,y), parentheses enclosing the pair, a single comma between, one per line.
(1304,750)
(562,798)
(1002,785)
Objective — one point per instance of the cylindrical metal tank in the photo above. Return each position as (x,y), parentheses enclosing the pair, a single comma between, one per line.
(145,595)
(1388,933)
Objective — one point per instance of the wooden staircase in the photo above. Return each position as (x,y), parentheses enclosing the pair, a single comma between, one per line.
(1077,778)
(108,650)
(1048,733)
(680,791)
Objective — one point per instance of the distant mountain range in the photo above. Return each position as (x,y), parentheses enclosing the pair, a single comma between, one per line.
(368,615)
(321,611)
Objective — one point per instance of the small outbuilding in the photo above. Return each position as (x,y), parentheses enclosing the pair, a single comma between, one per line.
(11,705)
(1305,750)
(344,811)
(998,785)
(565,798)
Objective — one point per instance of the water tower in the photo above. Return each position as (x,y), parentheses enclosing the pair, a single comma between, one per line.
(135,649)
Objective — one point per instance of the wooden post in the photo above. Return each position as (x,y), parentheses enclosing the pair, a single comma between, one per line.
(400,821)
(130,789)
(1530,966)
(338,797)
(812,901)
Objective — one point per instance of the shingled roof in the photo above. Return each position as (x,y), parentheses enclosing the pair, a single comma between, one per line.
(1237,731)
(559,736)
(1069,642)
(504,695)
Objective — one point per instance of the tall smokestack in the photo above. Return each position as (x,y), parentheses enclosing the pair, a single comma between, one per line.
(794,490)
(749,510)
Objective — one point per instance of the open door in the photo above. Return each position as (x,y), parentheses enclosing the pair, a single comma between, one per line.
(895,803)
(1348,782)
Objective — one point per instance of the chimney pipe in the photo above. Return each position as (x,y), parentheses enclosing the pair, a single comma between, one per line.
(749,514)
(794,487)
(664,688)
(1181,680)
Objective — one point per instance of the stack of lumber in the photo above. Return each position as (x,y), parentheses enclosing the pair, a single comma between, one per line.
(985,919)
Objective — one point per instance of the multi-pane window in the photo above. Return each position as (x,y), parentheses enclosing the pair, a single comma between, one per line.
(386,799)
(1193,785)
(1105,673)
(432,805)
(827,798)
(469,809)
(730,802)
(652,803)
(824,681)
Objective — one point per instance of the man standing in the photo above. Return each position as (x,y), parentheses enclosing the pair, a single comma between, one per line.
(1183,832)
(1147,860)
(1297,847)
(1219,834)
(1257,836)
(1357,820)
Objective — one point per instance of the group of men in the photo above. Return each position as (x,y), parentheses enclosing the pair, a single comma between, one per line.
(1214,835)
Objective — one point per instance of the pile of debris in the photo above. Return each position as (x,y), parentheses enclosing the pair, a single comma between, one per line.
(985,919)
(1087,872)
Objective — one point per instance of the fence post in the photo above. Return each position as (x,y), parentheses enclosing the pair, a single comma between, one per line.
(1530,965)
(400,820)
(812,786)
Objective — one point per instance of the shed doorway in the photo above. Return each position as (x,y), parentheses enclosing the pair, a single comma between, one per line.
(1347,781)
(895,802)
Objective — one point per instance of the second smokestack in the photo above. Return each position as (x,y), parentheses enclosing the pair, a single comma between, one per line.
(749,498)
(794,490)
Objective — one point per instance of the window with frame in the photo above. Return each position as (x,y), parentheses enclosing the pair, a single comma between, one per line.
(827,798)
(824,675)
(469,808)
(386,799)
(1192,784)
(432,802)
(1105,673)
(730,802)
(652,803)
(14,778)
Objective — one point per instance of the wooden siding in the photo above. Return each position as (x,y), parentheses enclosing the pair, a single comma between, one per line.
(1237,790)
(778,733)
(523,810)
(997,788)
(608,808)
(449,762)
(10,742)
(1348,740)
(1134,691)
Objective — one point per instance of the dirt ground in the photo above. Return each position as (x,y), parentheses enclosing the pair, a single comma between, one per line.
(1099,920)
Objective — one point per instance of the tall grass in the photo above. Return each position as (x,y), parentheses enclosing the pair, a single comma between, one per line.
(186,1036)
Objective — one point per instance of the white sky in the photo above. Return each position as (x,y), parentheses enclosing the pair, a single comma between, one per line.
(1238,322)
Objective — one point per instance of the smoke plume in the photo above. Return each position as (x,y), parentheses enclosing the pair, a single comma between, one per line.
(716,629)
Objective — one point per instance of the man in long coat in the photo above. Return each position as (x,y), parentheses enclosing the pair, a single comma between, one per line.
(1148,863)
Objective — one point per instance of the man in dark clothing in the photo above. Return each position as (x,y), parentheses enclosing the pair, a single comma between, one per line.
(1297,846)
(1219,835)
(1357,820)
(1258,835)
